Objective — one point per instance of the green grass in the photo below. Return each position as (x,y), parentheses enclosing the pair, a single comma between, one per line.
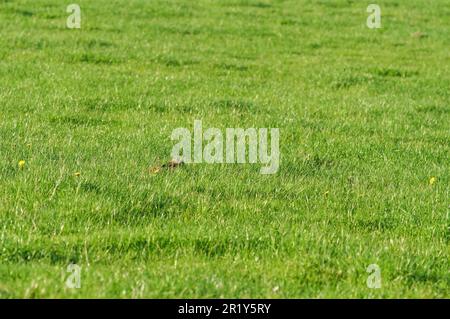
(364,122)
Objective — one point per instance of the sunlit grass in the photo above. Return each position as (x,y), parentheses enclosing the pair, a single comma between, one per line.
(364,123)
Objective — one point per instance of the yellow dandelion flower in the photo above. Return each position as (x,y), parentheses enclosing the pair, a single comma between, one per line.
(77,174)
(433,180)
(21,164)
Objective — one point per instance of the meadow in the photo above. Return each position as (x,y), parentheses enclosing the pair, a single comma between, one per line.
(364,120)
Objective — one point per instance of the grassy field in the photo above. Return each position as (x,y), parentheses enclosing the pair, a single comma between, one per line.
(364,121)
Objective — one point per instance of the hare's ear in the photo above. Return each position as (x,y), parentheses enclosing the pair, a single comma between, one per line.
(154,169)
(154,166)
